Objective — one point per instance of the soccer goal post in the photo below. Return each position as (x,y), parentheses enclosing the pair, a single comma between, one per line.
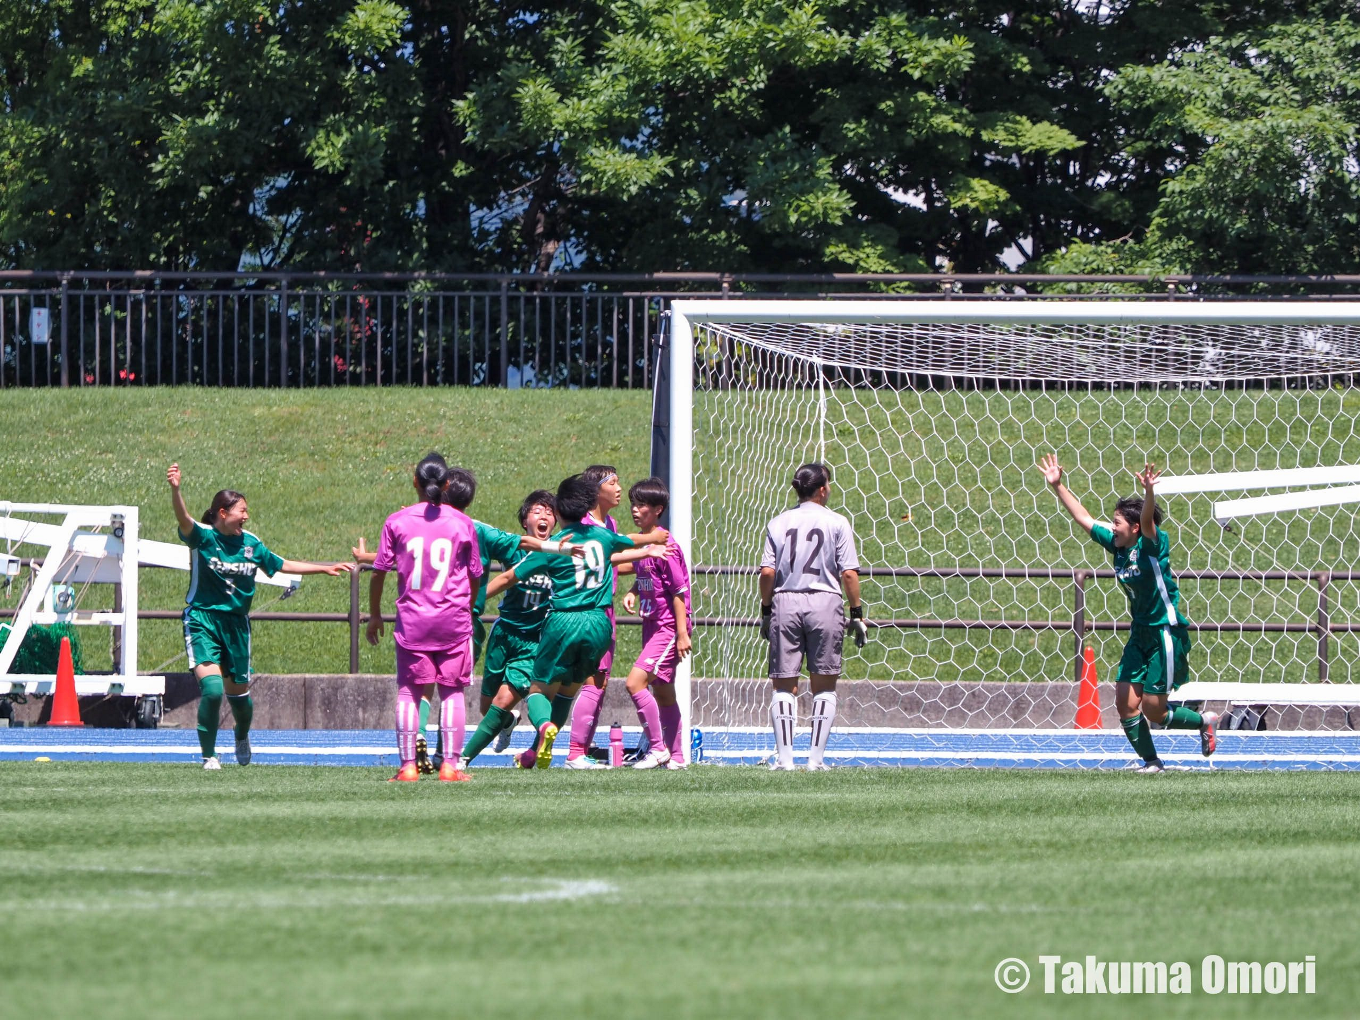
(982,592)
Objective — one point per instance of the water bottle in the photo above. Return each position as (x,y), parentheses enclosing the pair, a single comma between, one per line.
(696,745)
(615,746)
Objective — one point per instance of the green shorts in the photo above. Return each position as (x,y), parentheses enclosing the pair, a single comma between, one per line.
(1156,659)
(478,637)
(218,639)
(509,660)
(571,646)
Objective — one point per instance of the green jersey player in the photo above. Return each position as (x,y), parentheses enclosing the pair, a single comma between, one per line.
(223,561)
(513,642)
(1155,660)
(577,631)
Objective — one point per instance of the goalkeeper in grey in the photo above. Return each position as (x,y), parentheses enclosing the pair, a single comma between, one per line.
(809,561)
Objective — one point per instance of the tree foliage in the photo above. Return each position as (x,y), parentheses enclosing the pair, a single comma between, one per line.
(758,135)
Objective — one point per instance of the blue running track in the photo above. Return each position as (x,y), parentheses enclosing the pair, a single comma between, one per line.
(932,748)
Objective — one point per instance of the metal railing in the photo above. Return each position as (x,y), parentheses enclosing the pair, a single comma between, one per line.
(1078,623)
(149,328)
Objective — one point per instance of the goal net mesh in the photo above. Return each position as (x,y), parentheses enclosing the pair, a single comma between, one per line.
(972,569)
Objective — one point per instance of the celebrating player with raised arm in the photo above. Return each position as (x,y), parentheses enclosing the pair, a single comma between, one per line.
(809,560)
(433,548)
(513,642)
(223,560)
(1155,660)
(663,587)
(577,632)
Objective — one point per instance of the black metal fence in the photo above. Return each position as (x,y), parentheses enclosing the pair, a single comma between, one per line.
(369,329)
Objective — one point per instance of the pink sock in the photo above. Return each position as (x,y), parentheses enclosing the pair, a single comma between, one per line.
(645,703)
(408,722)
(585,714)
(452,722)
(670,730)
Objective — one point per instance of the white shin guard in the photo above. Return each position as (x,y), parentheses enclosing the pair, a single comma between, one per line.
(823,715)
(784,719)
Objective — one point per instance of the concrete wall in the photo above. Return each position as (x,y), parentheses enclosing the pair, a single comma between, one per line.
(366,701)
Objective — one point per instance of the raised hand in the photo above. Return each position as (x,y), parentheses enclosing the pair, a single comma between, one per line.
(172,476)
(1052,470)
(1147,478)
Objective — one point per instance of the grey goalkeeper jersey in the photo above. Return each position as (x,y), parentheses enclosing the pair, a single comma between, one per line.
(808,547)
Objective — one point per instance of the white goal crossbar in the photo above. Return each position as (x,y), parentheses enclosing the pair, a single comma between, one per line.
(1169,343)
(92,545)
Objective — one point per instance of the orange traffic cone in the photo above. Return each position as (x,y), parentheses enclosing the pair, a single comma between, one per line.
(1088,694)
(65,706)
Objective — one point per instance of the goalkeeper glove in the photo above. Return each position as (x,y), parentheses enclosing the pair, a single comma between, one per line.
(766,611)
(858,627)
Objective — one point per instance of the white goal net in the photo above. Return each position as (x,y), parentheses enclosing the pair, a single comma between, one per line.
(981,590)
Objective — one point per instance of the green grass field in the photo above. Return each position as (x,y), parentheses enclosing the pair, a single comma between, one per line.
(147,891)
(319,468)
(930,478)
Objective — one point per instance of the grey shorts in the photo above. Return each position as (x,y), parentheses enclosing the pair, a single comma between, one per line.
(806,623)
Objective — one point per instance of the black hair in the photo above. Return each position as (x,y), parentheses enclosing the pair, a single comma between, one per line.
(650,492)
(575,498)
(224,500)
(809,478)
(462,488)
(431,475)
(597,473)
(1131,509)
(539,497)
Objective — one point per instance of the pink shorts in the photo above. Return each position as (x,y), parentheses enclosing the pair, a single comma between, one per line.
(447,669)
(659,656)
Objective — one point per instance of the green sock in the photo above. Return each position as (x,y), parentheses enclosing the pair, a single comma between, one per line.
(424,714)
(492,723)
(1182,718)
(540,709)
(1140,736)
(242,710)
(209,711)
(561,710)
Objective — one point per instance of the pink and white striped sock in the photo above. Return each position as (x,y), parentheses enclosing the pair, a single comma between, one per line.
(452,722)
(645,703)
(670,731)
(585,715)
(408,722)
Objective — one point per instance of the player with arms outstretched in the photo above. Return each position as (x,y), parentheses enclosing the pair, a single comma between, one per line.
(577,631)
(1155,660)
(809,560)
(224,558)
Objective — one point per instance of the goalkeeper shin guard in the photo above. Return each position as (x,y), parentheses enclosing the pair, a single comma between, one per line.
(784,717)
(823,715)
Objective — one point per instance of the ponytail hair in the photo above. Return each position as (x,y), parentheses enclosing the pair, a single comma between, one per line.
(809,478)
(432,474)
(224,500)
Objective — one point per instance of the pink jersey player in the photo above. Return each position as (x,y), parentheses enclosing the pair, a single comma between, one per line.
(433,549)
(661,583)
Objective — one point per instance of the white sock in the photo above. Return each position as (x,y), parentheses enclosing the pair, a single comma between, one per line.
(823,715)
(784,718)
